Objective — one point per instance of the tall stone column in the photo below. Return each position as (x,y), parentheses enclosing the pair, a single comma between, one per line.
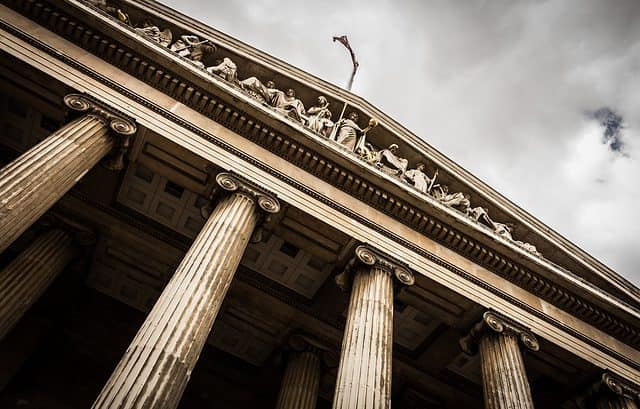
(157,365)
(616,393)
(504,378)
(301,380)
(32,183)
(364,373)
(28,276)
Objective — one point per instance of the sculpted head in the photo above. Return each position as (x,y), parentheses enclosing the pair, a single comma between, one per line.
(322,101)
(420,167)
(271,84)
(393,148)
(353,116)
(291,92)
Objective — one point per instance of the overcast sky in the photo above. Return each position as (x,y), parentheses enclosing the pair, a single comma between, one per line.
(507,89)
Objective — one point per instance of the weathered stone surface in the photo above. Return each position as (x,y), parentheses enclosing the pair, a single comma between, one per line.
(301,381)
(504,377)
(31,184)
(157,365)
(364,375)
(28,276)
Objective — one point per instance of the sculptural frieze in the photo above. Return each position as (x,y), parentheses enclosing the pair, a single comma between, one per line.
(192,48)
(457,200)
(318,119)
(390,163)
(350,135)
(162,37)
(225,69)
(419,179)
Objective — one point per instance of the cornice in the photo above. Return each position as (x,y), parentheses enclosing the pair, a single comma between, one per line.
(248,127)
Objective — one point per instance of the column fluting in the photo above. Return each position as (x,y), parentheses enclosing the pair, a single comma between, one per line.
(301,381)
(364,374)
(504,377)
(157,365)
(30,273)
(33,182)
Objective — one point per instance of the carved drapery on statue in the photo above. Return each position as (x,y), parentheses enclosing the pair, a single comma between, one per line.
(345,131)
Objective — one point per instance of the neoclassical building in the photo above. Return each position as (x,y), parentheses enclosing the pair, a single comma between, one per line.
(186,221)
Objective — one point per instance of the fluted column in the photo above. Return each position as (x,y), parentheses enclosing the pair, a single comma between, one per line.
(28,275)
(364,374)
(504,378)
(301,380)
(32,183)
(616,393)
(157,365)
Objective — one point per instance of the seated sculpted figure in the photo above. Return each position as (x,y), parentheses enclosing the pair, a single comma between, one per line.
(190,47)
(319,117)
(419,179)
(389,162)
(225,69)
(152,32)
(456,200)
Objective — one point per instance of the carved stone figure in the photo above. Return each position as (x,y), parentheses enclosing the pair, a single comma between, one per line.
(503,230)
(456,200)
(115,12)
(481,215)
(348,131)
(419,179)
(255,89)
(528,247)
(190,47)
(293,106)
(319,117)
(225,69)
(368,153)
(389,162)
(163,37)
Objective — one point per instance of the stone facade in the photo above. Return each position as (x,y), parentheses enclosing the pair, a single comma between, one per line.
(223,209)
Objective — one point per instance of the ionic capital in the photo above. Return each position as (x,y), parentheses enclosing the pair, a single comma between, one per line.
(368,256)
(619,386)
(266,201)
(492,322)
(116,121)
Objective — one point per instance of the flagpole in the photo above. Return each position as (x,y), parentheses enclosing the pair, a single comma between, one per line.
(345,42)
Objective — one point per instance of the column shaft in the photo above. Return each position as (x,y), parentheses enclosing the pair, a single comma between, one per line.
(28,276)
(364,375)
(504,378)
(32,183)
(157,365)
(301,382)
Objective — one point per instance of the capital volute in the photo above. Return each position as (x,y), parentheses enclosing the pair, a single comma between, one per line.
(265,200)
(494,323)
(614,384)
(118,122)
(366,256)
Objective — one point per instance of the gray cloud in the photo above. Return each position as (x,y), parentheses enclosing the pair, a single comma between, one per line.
(501,87)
